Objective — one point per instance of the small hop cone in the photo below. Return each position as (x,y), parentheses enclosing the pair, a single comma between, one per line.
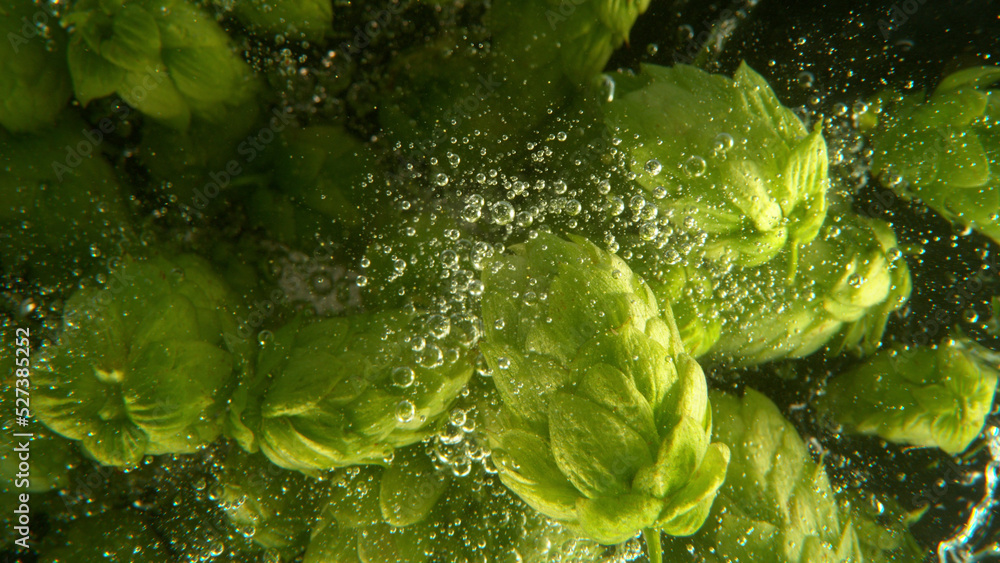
(605,424)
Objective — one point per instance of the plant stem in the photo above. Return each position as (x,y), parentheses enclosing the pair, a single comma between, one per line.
(653,549)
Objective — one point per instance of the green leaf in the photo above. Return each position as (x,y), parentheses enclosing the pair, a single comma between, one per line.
(977,77)
(152,92)
(206,76)
(593,447)
(762,102)
(171,318)
(410,488)
(93,76)
(615,519)
(610,388)
(687,510)
(135,41)
(678,458)
(528,468)
(172,383)
(117,443)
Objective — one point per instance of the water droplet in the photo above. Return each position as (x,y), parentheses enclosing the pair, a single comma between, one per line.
(265,337)
(471,213)
(722,143)
(604,187)
(503,213)
(616,206)
(653,167)
(524,219)
(321,283)
(805,79)
(695,166)
(441,179)
(403,377)
(361,281)
(439,326)
(454,160)
(636,203)
(449,258)
(498,324)
(572,207)
(648,231)
(652,49)
(503,363)
(405,411)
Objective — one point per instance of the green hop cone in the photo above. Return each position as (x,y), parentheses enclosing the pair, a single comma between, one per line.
(943,148)
(849,279)
(167,58)
(777,504)
(926,396)
(349,390)
(143,365)
(34,81)
(605,424)
(722,157)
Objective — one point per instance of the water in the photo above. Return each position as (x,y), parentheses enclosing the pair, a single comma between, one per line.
(385,169)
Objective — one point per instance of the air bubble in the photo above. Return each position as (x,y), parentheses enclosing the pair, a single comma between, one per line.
(653,167)
(503,213)
(723,142)
(403,377)
(695,166)
(405,411)
(572,207)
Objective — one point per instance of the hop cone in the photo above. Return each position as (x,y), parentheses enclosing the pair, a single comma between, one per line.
(777,504)
(605,424)
(943,149)
(145,364)
(167,58)
(924,396)
(349,390)
(847,283)
(722,157)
